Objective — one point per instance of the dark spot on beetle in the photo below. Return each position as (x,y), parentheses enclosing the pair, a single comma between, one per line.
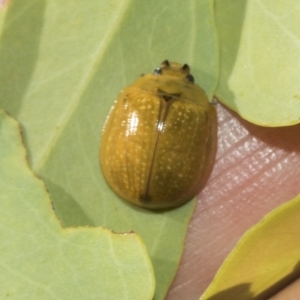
(185,67)
(190,78)
(165,63)
(144,198)
(166,96)
(157,71)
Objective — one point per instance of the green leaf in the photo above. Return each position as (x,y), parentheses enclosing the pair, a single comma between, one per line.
(265,260)
(62,64)
(40,260)
(259,60)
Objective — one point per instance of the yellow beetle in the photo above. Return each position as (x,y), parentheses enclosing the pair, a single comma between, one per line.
(159,140)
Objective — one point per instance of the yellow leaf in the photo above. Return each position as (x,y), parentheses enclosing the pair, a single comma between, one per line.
(265,260)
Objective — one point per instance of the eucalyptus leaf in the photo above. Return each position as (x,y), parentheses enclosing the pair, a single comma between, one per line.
(264,261)
(62,65)
(40,260)
(259,60)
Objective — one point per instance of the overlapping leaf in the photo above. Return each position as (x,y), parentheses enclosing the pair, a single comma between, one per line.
(40,260)
(265,260)
(259,60)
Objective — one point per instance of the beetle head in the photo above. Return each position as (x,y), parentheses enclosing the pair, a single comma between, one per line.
(174,69)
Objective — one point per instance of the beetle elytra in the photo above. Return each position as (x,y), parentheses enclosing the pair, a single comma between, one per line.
(159,140)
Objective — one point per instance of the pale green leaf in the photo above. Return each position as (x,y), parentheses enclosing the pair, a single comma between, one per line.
(62,64)
(40,260)
(259,59)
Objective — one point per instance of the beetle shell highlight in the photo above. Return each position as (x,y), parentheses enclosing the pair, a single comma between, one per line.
(159,140)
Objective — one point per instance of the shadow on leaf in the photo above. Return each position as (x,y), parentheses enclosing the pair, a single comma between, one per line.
(69,212)
(20,40)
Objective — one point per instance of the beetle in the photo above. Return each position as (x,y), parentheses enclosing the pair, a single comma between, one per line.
(159,140)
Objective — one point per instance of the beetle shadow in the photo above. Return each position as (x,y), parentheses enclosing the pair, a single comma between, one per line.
(155,211)
(67,210)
